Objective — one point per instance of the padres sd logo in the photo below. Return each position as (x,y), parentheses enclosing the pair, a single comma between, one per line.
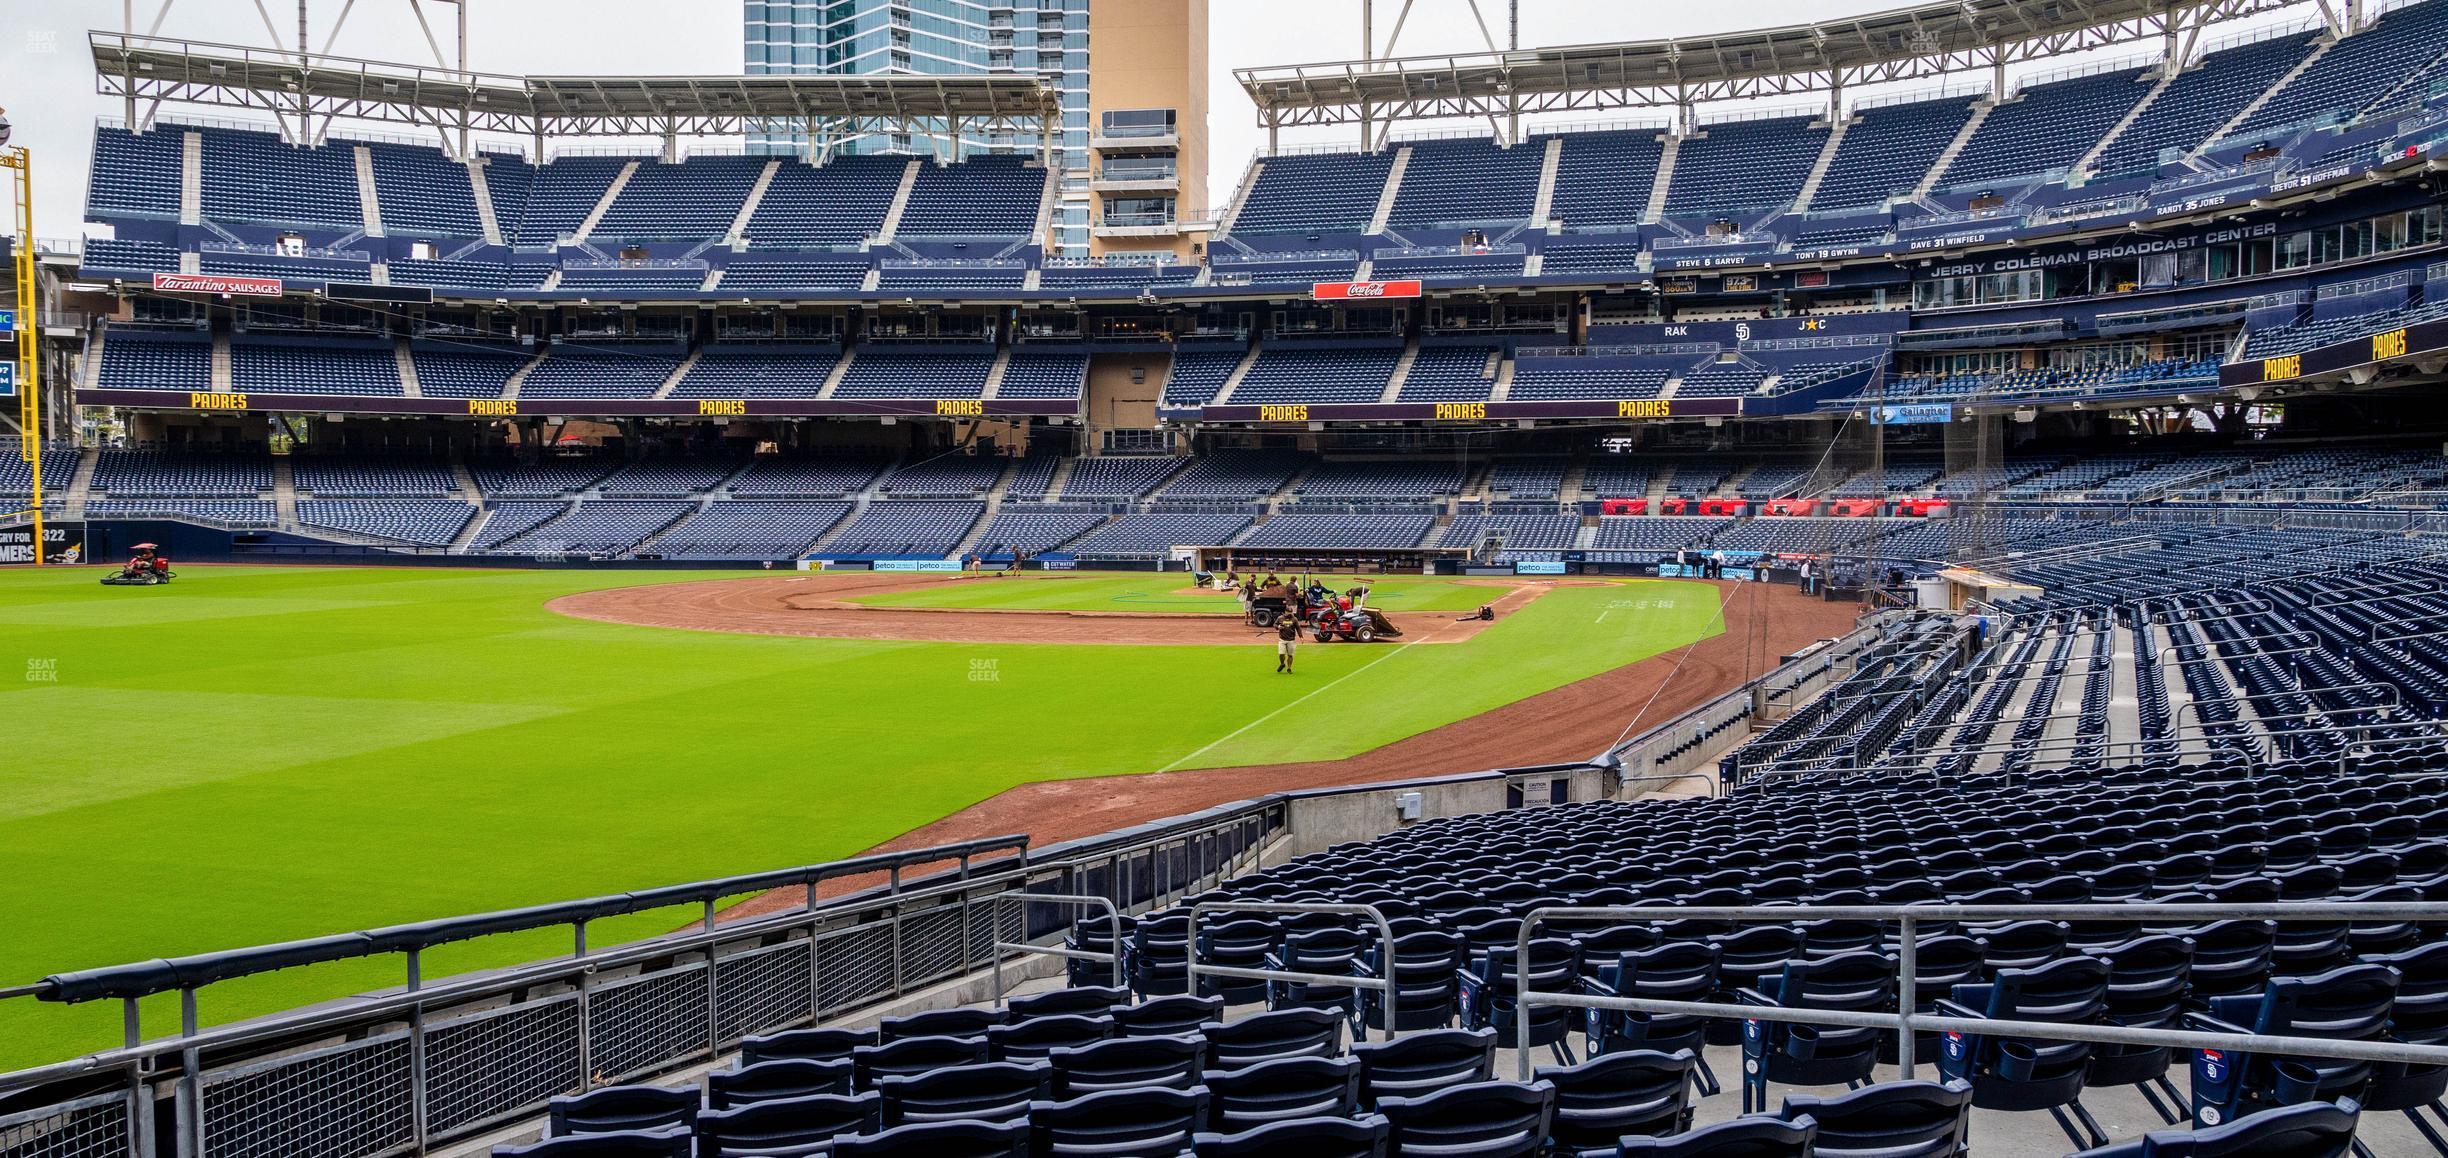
(1641,408)
(207,401)
(496,407)
(1461,409)
(721,406)
(1283,414)
(960,407)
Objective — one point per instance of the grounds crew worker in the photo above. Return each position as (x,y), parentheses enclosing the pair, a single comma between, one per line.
(1287,642)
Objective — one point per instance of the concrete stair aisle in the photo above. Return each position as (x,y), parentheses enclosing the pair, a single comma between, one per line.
(1954,148)
(1284,494)
(80,483)
(1042,229)
(1655,206)
(284,489)
(1233,381)
(2082,164)
(1503,388)
(841,367)
(484,200)
(466,480)
(1576,480)
(977,530)
(518,377)
(475,526)
(2213,138)
(221,363)
(369,199)
(1240,197)
(1060,478)
(603,205)
(409,386)
(89,367)
(1819,168)
(1402,371)
(191,181)
(738,232)
(1733,485)
(678,372)
(644,545)
(1542,207)
(900,203)
(857,507)
(994,374)
(1393,186)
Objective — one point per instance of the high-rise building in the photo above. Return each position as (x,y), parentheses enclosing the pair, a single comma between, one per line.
(1053,39)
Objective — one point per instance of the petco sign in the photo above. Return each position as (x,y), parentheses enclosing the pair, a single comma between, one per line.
(214,283)
(1327,291)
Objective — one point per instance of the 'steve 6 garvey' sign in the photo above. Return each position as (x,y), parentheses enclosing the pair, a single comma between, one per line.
(217,283)
(1347,290)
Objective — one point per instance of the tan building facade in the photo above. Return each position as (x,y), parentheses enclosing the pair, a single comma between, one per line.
(1147,126)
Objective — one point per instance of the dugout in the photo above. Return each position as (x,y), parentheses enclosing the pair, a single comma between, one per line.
(1331,560)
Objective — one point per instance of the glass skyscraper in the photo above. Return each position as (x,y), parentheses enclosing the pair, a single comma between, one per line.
(1048,38)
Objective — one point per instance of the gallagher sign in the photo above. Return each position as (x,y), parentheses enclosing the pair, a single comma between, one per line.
(1329,291)
(217,283)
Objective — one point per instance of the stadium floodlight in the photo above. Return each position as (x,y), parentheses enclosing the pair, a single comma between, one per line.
(4,127)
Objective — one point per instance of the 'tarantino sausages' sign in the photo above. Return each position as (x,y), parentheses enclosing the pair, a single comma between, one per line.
(1348,290)
(217,283)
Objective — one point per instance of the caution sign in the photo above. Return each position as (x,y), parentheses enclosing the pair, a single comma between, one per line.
(63,544)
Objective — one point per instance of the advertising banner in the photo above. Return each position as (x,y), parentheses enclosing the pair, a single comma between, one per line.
(63,544)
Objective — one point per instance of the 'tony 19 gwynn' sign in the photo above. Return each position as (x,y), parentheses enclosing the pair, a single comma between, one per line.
(1335,291)
(217,283)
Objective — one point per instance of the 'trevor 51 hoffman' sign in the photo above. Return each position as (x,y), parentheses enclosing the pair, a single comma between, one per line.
(1347,290)
(217,283)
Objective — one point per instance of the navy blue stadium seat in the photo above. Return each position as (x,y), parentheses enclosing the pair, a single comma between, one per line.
(1118,1122)
(1417,1064)
(985,1091)
(1478,1120)
(1910,1119)
(781,1078)
(780,1126)
(1800,1054)
(1750,1136)
(1608,1097)
(1282,1090)
(2308,1130)
(1125,1062)
(1266,1036)
(2350,1004)
(1366,1136)
(622,1108)
(959,1139)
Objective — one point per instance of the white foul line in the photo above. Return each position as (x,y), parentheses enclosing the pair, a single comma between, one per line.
(1397,650)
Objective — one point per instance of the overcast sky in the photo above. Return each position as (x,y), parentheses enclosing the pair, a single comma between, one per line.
(47,85)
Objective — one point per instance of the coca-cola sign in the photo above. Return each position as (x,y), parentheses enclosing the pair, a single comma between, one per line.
(1347,290)
(217,283)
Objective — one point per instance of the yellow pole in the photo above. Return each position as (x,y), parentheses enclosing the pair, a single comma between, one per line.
(29,386)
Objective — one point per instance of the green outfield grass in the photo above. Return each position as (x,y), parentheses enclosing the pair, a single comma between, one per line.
(259,754)
(1169,592)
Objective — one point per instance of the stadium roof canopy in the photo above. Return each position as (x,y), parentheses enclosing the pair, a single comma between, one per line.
(312,87)
(1828,57)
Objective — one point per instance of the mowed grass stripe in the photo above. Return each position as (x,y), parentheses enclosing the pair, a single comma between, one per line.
(440,743)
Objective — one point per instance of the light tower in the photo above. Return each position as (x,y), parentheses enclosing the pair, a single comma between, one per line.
(20,165)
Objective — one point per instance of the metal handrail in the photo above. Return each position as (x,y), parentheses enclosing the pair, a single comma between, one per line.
(1384,983)
(1113,913)
(1905,1022)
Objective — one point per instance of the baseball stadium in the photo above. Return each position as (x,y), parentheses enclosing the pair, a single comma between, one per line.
(889,594)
